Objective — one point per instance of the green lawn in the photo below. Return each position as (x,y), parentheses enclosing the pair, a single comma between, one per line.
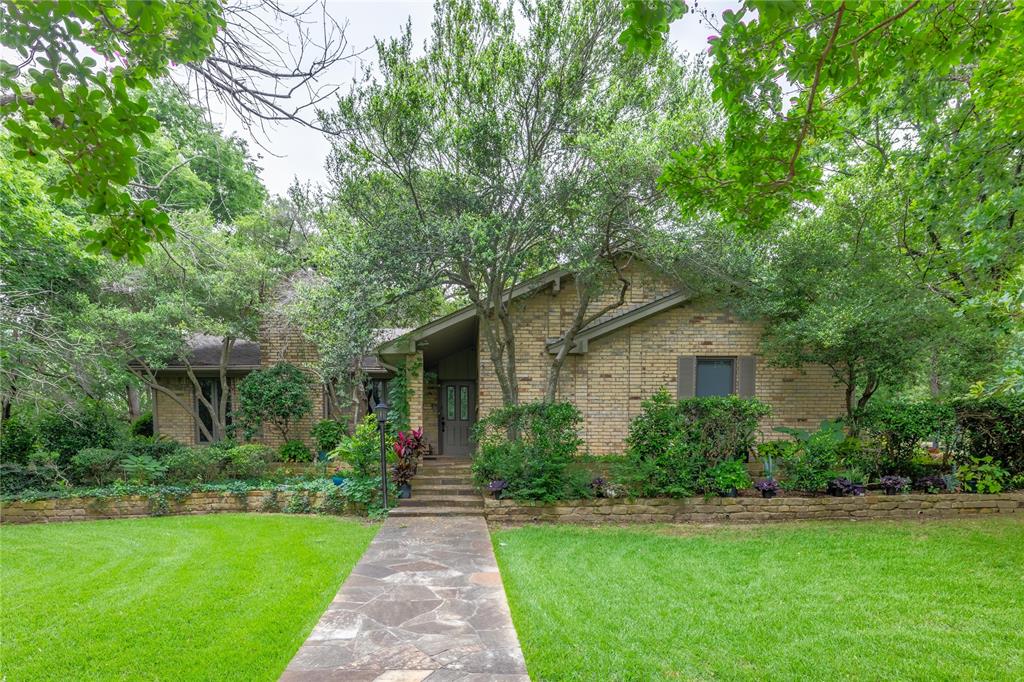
(225,597)
(865,601)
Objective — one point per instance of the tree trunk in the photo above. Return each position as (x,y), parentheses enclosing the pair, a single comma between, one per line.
(149,379)
(225,390)
(134,403)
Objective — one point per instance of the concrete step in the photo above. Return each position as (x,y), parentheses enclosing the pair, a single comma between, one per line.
(410,512)
(443,489)
(441,479)
(442,501)
(449,470)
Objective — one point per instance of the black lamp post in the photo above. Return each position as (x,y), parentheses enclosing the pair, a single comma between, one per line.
(382,420)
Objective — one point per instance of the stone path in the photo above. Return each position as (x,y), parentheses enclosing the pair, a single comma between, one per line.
(425,603)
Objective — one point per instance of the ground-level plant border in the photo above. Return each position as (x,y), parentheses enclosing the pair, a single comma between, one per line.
(162,504)
(753,509)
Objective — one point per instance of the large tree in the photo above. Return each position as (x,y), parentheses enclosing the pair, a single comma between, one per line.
(76,88)
(514,144)
(918,94)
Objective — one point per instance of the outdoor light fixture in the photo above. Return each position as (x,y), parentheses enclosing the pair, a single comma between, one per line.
(382,421)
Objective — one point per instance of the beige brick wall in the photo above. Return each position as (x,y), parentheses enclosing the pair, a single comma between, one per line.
(173,420)
(282,343)
(621,369)
(277,344)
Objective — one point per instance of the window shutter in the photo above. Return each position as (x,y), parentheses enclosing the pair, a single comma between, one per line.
(746,380)
(686,376)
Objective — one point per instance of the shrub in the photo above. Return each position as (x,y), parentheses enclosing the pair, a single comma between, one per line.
(727,475)
(90,425)
(812,459)
(673,444)
(933,484)
(278,395)
(18,438)
(142,469)
(33,475)
(248,461)
(202,464)
(142,425)
(295,451)
(530,447)
(361,451)
(96,466)
(327,433)
(158,448)
(982,475)
(900,426)
(991,427)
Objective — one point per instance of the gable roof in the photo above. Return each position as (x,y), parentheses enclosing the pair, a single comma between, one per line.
(462,322)
(601,328)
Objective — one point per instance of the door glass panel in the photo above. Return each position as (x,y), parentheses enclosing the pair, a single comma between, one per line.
(449,402)
(464,402)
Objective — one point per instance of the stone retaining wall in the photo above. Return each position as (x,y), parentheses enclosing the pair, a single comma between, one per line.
(138,506)
(753,509)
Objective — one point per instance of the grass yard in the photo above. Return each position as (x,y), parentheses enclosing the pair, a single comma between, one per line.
(865,601)
(223,597)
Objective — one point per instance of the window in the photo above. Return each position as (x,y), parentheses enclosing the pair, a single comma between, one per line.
(463,402)
(211,392)
(714,377)
(449,402)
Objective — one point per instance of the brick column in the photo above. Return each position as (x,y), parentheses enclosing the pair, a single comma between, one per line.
(414,376)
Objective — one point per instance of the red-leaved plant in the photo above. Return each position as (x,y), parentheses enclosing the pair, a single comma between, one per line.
(408,448)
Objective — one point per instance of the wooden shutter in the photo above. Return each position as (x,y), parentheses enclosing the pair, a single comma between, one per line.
(686,376)
(746,376)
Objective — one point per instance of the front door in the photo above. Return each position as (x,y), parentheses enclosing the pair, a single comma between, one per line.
(458,413)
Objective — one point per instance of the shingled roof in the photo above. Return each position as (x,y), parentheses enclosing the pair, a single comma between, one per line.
(204,352)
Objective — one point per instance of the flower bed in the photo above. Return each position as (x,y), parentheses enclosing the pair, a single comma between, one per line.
(752,509)
(163,504)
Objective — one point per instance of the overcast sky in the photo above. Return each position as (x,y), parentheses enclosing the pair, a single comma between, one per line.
(300,152)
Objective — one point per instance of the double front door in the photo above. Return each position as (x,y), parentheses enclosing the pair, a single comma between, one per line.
(458,412)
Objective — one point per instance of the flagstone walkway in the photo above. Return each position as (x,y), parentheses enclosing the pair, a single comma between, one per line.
(425,603)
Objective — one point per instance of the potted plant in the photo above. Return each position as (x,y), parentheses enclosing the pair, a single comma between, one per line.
(408,447)
(496,487)
(769,487)
(893,485)
(729,476)
(844,487)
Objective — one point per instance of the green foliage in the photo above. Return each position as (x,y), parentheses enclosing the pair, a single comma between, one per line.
(813,458)
(159,447)
(248,461)
(530,446)
(399,393)
(278,395)
(673,443)
(90,424)
(91,117)
(142,469)
(18,438)
(726,475)
(361,450)
(327,433)
(295,451)
(982,475)
(198,464)
(96,466)
(992,427)
(899,427)
(143,425)
(647,23)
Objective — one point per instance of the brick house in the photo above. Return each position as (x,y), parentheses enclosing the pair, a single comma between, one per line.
(277,343)
(660,337)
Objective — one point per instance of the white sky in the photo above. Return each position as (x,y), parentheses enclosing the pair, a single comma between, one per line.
(300,152)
